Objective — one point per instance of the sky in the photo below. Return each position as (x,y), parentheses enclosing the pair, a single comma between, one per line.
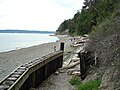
(43,15)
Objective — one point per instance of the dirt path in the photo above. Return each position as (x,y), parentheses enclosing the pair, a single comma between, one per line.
(60,81)
(57,82)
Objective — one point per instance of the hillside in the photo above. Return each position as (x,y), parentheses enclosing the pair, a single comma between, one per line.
(105,43)
(101,20)
(92,14)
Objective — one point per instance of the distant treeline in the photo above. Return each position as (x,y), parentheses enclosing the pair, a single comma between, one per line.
(24,31)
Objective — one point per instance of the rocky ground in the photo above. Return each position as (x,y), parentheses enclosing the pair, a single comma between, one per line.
(71,67)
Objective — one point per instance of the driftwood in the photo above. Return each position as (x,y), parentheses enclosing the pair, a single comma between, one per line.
(76,73)
(70,66)
(68,62)
(71,71)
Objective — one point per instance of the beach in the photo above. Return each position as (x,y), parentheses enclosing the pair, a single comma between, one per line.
(12,59)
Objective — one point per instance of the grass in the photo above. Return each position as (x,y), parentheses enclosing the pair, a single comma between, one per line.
(91,85)
(75,81)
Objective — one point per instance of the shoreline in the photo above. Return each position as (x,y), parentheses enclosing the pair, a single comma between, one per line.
(11,42)
(12,50)
(61,38)
(12,59)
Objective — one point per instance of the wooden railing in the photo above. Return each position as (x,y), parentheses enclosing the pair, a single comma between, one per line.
(34,72)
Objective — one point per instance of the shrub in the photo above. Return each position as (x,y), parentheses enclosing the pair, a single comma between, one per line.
(91,85)
(75,81)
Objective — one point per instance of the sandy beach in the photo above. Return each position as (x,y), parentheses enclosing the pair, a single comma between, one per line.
(12,59)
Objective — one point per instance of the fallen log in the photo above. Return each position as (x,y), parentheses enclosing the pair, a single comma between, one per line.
(76,73)
(70,66)
(70,71)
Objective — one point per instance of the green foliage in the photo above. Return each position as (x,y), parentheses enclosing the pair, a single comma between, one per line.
(92,14)
(75,81)
(96,12)
(105,41)
(91,85)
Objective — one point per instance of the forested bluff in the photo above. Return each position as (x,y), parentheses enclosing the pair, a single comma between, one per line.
(100,19)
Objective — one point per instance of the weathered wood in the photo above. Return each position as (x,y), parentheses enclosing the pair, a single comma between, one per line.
(33,73)
(82,65)
(86,59)
(70,66)
(62,46)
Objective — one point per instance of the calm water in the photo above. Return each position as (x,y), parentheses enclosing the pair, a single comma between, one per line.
(12,41)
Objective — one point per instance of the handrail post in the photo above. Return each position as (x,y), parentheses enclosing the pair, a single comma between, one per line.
(62,46)
(82,65)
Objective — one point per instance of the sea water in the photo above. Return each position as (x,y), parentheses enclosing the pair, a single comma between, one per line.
(13,41)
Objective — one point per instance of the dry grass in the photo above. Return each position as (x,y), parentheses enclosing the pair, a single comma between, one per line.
(105,42)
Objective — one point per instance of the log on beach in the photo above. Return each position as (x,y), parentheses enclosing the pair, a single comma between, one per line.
(71,65)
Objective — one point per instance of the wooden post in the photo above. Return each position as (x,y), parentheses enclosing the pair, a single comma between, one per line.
(62,46)
(61,61)
(82,65)
(46,71)
(33,79)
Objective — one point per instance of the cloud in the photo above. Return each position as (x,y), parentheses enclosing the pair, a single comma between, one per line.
(36,14)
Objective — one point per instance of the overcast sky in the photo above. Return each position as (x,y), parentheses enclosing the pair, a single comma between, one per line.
(44,15)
